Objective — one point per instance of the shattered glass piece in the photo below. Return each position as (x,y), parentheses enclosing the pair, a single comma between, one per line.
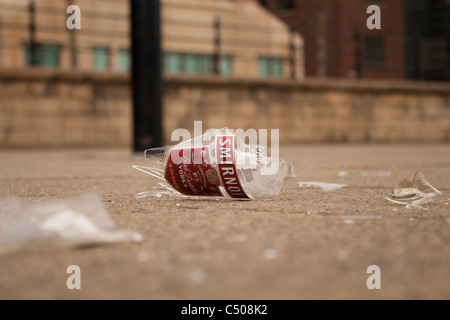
(143,194)
(145,256)
(323,185)
(78,222)
(416,206)
(241,238)
(365,173)
(270,254)
(413,190)
(158,191)
(153,193)
(375,173)
(360,217)
(197,275)
(342,254)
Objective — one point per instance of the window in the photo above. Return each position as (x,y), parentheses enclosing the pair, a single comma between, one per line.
(124,60)
(101,59)
(172,62)
(50,54)
(205,64)
(286,4)
(373,52)
(270,67)
(47,55)
(226,66)
(192,63)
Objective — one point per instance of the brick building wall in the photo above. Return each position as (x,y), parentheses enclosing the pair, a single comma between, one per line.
(346,32)
(247,32)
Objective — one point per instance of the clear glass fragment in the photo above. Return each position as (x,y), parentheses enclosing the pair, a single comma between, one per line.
(414,190)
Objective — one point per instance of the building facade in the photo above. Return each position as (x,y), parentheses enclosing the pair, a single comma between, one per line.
(338,42)
(249,41)
(427,40)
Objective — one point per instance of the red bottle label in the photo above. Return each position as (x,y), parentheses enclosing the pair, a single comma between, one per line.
(227,169)
(190,172)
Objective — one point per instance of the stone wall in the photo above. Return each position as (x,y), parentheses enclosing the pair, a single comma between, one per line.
(315,110)
(44,108)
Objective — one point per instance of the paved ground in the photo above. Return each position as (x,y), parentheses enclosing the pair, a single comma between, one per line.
(243,250)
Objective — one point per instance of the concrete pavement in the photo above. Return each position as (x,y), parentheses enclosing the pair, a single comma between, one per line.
(307,244)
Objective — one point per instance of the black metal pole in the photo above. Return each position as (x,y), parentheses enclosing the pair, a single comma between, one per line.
(358,53)
(417,40)
(216,55)
(32,27)
(417,48)
(146,79)
(292,59)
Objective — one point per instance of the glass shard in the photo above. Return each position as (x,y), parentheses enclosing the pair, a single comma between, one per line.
(60,223)
(414,190)
(326,186)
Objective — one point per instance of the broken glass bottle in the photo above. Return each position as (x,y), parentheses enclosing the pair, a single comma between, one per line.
(218,164)
(414,190)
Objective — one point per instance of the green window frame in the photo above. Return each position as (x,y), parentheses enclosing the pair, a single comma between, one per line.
(226,65)
(191,63)
(270,67)
(47,55)
(124,60)
(205,64)
(172,62)
(195,64)
(101,58)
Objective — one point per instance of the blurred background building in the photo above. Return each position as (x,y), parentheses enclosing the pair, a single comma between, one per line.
(338,42)
(427,39)
(310,68)
(249,41)
(413,42)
